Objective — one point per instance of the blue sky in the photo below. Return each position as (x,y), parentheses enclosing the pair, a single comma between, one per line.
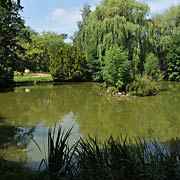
(61,16)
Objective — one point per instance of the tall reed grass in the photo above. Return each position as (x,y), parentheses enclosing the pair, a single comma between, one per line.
(119,159)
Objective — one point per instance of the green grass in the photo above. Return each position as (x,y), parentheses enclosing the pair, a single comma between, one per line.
(31,78)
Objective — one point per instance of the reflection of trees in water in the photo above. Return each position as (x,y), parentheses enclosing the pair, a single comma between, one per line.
(48,105)
(14,141)
(156,117)
(7,134)
(2,119)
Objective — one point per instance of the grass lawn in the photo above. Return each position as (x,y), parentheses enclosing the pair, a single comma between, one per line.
(33,77)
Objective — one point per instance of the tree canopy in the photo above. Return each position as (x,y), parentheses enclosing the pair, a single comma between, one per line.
(114,23)
(114,43)
(11,28)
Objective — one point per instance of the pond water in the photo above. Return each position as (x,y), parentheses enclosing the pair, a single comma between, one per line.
(27,112)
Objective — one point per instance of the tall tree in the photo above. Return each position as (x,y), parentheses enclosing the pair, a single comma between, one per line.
(11,25)
(38,50)
(67,63)
(166,41)
(78,39)
(119,23)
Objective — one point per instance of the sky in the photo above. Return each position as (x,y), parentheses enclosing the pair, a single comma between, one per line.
(61,16)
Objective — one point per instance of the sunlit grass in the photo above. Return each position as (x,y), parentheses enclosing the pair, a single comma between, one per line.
(32,77)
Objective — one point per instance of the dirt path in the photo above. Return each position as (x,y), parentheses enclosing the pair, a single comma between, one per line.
(39,75)
(42,75)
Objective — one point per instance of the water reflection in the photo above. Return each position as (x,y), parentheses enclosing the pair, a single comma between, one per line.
(30,111)
(14,142)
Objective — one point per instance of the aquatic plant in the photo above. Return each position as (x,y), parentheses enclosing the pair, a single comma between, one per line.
(123,158)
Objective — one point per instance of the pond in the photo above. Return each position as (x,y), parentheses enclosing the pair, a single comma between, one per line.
(27,112)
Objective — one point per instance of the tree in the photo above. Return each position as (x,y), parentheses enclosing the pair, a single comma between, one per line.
(116,71)
(166,37)
(11,25)
(114,23)
(151,66)
(38,50)
(78,38)
(67,63)
(173,57)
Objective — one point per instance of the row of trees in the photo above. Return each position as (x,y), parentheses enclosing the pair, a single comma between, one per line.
(21,48)
(48,52)
(114,43)
(121,42)
(167,31)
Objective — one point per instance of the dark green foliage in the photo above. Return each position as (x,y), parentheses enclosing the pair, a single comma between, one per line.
(11,51)
(166,41)
(142,86)
(113,23)
(6,74)
(67,63)
(151,67)
(116,71)
(173,57)
(113,159)
(60,155)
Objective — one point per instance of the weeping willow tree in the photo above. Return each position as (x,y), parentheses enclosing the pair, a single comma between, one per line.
(119,23)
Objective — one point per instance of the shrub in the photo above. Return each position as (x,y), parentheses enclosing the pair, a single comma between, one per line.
(67,63)
(117,67)
(151,67)
(142,86)
(112,90)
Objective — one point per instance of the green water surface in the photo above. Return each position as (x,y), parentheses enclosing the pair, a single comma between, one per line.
(28,112)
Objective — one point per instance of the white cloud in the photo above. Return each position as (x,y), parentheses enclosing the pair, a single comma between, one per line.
(62,20)
(65,20)
(159,6)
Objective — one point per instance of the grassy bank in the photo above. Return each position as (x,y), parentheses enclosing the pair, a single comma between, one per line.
(111,160)
(32,77)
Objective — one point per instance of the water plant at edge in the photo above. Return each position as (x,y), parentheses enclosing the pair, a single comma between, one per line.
(123,158)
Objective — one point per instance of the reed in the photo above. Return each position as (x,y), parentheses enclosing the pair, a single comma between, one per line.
(111,160)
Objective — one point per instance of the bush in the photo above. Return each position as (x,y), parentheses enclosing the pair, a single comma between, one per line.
(112,90)
(142,86)
(116,71)
(67,63)
(151,67)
